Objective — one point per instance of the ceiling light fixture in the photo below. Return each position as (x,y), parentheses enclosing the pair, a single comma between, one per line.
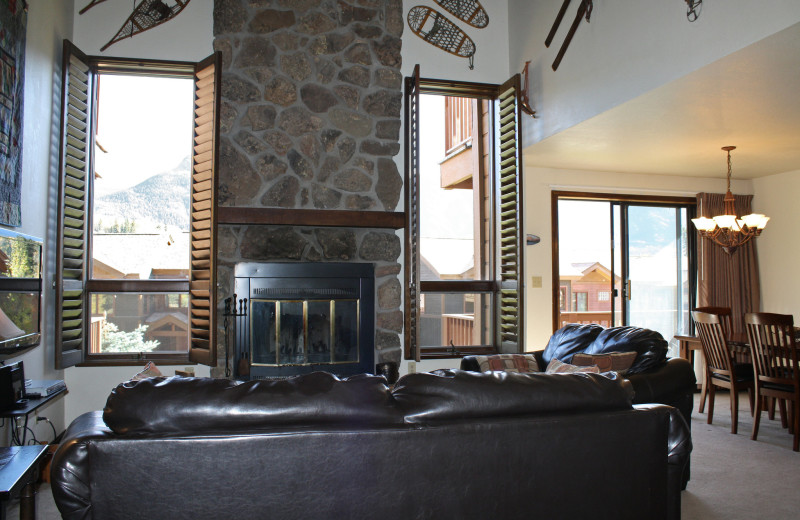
(728,230)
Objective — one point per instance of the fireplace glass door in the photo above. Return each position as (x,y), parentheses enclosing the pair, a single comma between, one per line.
(302,332)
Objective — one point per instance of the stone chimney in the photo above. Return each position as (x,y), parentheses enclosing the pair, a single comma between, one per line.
(311,103)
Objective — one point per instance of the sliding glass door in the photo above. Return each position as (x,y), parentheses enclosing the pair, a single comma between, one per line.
(624,262)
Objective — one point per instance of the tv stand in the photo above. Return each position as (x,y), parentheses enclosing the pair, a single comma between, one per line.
(33,404)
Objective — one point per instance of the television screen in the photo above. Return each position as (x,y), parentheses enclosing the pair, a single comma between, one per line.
(20,291)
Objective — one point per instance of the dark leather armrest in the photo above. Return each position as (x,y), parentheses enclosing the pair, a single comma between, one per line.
(69,471)
(666,384)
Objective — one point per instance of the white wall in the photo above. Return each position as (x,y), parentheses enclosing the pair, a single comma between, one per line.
(189,37)
(779,244)
(541,182)
(49,21)
(628,48)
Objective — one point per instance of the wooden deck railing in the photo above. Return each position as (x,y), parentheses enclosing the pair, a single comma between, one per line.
(457,122)
(96,334)
(601,318)
(458,329)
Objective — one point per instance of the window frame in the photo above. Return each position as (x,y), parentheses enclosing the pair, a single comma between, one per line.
(690,203)
(507,322)
(73,280)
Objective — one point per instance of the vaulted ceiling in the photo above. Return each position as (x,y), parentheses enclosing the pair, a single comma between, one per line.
(749,99)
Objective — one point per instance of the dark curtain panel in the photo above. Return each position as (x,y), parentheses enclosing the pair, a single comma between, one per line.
(727,280)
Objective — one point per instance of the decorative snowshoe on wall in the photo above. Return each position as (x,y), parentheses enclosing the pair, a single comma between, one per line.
(436,29)
(468,11)
(146,15)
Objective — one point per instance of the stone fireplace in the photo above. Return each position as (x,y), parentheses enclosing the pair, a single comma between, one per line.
(311,102)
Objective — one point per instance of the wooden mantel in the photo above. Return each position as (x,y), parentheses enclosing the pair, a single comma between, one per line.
(235,215)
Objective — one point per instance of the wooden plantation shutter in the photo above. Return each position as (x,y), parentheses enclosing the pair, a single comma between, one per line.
(202,281)
(412,329)
(72,234)
(509,244)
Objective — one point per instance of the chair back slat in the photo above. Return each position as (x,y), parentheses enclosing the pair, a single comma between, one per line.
(725,317)
(714,343)
(773,347)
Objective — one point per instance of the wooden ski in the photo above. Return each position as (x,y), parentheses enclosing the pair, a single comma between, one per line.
(584,9)
(559,17)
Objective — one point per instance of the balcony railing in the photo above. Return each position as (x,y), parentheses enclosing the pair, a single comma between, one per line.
(457,329)
(601,318)
(457,122)
(96,334)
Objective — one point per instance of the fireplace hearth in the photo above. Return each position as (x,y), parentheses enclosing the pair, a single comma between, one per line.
(303,317)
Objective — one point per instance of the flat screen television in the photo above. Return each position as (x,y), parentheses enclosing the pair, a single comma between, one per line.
(20,292)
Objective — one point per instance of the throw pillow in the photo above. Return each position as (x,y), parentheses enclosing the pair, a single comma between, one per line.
(150,370)
(611,362)
(557,367)
(517,363)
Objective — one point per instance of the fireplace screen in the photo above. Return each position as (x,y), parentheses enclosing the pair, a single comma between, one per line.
(295,318)
(295,332)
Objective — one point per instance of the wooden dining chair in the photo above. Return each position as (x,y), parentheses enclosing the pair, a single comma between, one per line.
(721,369)
(774,352)
(725,319)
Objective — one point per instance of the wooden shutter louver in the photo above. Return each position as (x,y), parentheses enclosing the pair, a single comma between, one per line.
(412,216)
(202,281)
(74,167)
(509,217)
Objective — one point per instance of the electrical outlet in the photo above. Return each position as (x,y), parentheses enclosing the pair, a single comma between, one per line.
(536,282)
(412,367)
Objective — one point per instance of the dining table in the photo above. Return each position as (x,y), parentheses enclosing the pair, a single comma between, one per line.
(738,343)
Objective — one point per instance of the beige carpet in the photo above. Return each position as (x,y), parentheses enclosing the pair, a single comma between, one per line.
(732,477)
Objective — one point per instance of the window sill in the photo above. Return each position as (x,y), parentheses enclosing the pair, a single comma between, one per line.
(448,353)
(108,360)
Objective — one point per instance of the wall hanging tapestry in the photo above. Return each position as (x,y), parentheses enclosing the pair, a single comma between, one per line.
(13,17)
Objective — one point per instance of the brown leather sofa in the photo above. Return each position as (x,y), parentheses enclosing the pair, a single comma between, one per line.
(654,377)
(445,445)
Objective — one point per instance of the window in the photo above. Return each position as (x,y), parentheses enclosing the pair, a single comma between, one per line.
(135,266)
(633,255)
(463,251)
(580,301)
(562,298)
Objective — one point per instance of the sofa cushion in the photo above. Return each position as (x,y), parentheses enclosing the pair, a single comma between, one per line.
(612,362)
(568,340)
(519,363)
(458,394)
(189,405)
(650,346)
(557,367)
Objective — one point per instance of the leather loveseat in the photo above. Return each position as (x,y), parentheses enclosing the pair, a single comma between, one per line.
(445,445)
(654,377)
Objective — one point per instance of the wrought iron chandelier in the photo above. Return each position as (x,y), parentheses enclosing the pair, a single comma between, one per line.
(728,230)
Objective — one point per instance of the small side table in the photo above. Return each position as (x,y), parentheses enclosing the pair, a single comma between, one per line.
(19,468)
(22,413)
